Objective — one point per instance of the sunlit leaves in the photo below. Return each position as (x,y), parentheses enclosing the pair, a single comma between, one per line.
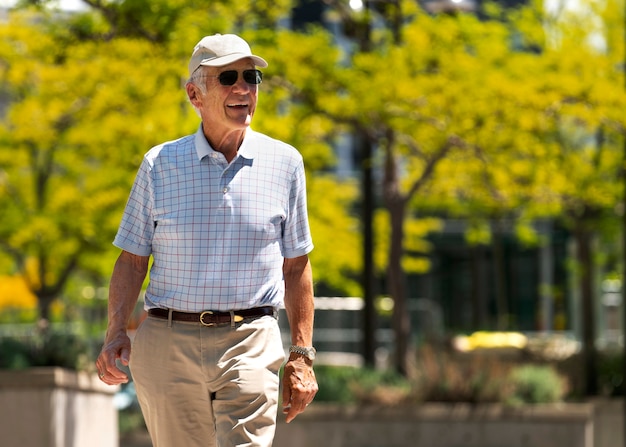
(86,98)
(301,92)
(77,122)
(537,126)
(336,234)
(15,294)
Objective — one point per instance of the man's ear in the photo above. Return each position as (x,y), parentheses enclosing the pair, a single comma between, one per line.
(192,92)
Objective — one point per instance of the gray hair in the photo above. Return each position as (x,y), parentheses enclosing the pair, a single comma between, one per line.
(196,79)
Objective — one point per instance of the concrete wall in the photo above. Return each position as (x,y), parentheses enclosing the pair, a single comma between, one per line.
(608,430)
(53,407)
(455,425)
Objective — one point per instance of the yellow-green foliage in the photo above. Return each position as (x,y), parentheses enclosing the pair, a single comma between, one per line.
(337,253)
(15,294)
(78,119)
(517,117)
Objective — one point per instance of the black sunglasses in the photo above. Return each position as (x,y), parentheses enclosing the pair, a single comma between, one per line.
(229,77)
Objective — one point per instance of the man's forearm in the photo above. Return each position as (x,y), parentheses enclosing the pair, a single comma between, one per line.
(299,302)
(299,383)
(128,276)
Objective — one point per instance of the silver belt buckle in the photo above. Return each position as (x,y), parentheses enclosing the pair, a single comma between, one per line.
(206,312)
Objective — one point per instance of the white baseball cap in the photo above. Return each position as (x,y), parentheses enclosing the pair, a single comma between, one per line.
(222,49)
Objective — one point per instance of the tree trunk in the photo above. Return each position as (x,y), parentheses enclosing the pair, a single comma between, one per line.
(396,278)
(397,287)
(584,256)
(499,262)
(370,324)
(44,301)
(477,254)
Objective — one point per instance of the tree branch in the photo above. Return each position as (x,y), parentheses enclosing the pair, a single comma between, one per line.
(431,163)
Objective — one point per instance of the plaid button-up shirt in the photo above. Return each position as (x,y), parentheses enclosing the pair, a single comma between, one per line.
(217,232)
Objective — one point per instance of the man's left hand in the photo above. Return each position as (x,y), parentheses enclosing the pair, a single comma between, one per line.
(299,387)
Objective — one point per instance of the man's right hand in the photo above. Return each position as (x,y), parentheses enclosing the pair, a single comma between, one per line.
(114,348)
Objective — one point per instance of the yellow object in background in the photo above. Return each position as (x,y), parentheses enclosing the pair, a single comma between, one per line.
(487,340)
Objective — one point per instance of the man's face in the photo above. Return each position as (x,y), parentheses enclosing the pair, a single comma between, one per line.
(227,107)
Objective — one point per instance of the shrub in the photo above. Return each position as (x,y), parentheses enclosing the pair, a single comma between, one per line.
(333,384)
(535,384)
(14,354)
(46,348)
(610,373)
(344,384)
(443,376)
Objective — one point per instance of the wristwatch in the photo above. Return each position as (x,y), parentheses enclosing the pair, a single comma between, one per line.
(307,352)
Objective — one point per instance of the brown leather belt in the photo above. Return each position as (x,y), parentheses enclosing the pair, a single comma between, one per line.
(213,318)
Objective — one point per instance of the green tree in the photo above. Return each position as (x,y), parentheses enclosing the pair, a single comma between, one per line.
(86,95)
(558,151)
(464,130)
(77,121)
(428,103)
(395,116)
(299,79)
(583,52)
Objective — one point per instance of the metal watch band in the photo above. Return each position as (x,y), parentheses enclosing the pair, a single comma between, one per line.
(307,352)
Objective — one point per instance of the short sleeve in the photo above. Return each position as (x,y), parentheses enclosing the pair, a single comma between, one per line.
(297,239)
(137,227)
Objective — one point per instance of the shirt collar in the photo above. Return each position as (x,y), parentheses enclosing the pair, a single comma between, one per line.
(204,149)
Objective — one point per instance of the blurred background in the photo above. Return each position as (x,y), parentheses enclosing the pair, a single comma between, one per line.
(466,174)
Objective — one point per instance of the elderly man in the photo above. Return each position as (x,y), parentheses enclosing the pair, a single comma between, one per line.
(223,215)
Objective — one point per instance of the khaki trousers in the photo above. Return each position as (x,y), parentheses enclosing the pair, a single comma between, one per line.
(208,386)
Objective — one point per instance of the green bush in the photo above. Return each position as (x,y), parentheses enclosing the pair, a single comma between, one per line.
(47,348)
(443,376)
(15,354)
(535,384)
(344,384)
(610,373)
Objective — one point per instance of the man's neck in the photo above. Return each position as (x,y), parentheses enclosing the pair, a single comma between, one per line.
(227,144)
